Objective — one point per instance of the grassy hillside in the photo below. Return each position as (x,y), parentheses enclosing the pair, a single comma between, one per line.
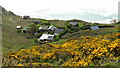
(77,46)
(81,51)
(12,40)
(101,31)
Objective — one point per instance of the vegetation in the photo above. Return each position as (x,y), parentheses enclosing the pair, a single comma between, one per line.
(83,51)
(75,46)
(10,36)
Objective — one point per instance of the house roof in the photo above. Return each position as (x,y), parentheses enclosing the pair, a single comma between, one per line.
(58,30)
(46,36)
(26,28)
(18,26)
(36,21)
(43,27)
(73,23)
(52,27)
(94,27)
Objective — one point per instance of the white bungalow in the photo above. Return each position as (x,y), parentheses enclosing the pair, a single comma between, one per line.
(46,37)
(18,27)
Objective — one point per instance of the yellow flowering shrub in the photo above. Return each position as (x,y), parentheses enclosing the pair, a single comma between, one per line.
(81,51)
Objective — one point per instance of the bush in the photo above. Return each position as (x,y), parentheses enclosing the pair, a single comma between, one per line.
(38,35)
(22,48)
(57,38)
(38,25)
(50,32)
(64,32)
(35,40)
(19,31)
(29,37)
(74,29)
(69,26)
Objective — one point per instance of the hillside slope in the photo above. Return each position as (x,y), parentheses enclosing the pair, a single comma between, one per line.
(82,51)
(12,40)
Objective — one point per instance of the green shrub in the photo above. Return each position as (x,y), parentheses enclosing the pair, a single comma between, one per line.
(19,30)
(92,64)
(57,38)
(38,25)
(38,35)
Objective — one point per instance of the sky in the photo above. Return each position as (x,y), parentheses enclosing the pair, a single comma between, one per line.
(89,10)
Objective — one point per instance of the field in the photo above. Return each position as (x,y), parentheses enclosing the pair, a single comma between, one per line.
(77,46)
(11,40)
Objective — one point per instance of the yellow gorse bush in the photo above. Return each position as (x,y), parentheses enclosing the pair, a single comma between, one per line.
(80,52)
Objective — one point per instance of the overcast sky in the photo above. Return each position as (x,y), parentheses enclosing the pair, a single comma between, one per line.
(92,10)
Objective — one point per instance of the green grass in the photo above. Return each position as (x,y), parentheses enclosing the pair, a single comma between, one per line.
(80,24)
(11,40)
(44,21)
(101,31)
(58,23)
(60,41)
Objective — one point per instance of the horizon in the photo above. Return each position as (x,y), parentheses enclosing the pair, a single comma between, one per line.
(93,11)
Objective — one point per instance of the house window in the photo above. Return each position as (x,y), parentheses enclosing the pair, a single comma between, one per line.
(50,37)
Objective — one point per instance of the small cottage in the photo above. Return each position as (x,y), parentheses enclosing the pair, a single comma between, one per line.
(36,21)
(26,29)
(73,23)
(94,28)
(52,28)
(18,27)
(113,21)
(43,27)
(58,31)
(26,17)
(46,37)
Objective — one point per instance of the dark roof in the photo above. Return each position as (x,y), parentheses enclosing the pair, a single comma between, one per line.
(26,17)
(36,21)
(58,30)
(73,23)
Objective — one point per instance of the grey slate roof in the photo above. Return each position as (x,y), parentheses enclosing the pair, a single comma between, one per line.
(36,21)
(58,30)
(94,27)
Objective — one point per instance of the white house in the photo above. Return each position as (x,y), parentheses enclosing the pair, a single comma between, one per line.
(18,27)
(46,37)
(52,27)
(94,28)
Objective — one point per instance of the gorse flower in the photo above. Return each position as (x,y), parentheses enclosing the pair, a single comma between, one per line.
(74,52)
